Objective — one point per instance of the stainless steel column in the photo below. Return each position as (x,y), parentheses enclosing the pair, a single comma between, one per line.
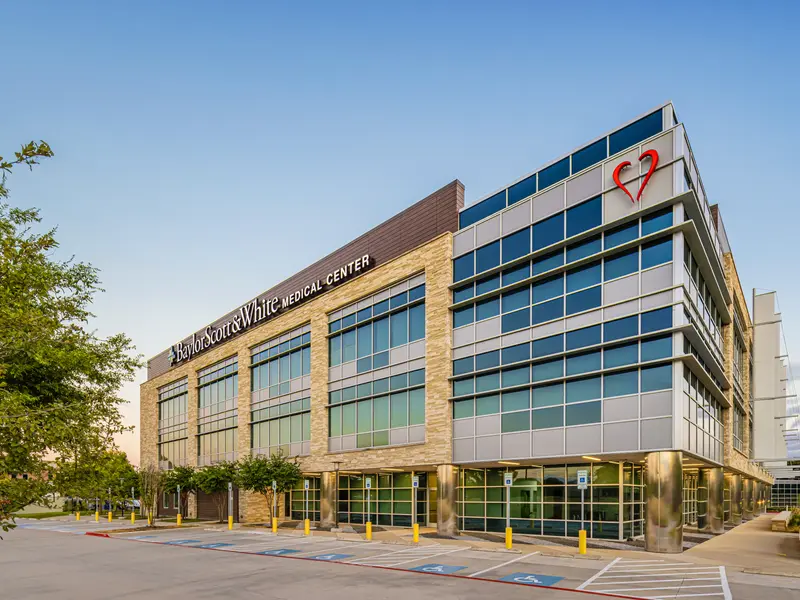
(664,518)
(447,496)
(711,481)
(327,499)
(736,499)
(747,499)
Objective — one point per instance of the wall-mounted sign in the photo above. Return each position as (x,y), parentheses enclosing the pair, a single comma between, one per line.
(653,156)
(261,310)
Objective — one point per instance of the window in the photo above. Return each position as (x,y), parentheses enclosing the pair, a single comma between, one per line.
(516,274)
(487,360)
(548,345)
(548,395)
(591,155)
(518,353)
(621,384)
(546,289)
(656,253)
(463,293)
(583,363)
(548,232)
(655,348)
(587,248)
(621,328)
(584,300)
(657,319)
(523,189)
(516,320)
(487,309)
(275,428)
(622,234)
(517,299)
(218,388)
(166,499)
(463,267)
(487,257)
(554,173)
(617,356)
(656,378)
(463,365)
(517,244)
(584,216)
(588,336)
(635,132)
(173,429)
(657,221)
(584,277)
(547,311)
(483,209)
(579,390)
(622,264)
(548,262)
(548,370)
(583,414)
(463,316)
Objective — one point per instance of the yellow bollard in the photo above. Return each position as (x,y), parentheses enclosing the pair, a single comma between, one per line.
(369,531)
(133,518)
(149,520)
(230,523)
(274,525)
(110,516)
(78,516)
(582,541)
(180,519)
(508,538)
(307,527)
(416,533)
(97,516)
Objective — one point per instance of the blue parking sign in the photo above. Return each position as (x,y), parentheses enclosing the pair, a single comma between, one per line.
(532,579)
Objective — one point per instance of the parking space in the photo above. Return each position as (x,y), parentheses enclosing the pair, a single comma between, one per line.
(73,526)
(660,578)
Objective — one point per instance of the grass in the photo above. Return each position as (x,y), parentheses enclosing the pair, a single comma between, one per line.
(41,515)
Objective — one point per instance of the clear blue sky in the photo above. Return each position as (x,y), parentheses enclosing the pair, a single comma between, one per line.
(205,151)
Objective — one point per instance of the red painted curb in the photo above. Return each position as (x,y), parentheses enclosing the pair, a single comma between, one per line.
(95,534)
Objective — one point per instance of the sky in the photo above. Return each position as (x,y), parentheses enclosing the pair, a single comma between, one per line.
(206,151)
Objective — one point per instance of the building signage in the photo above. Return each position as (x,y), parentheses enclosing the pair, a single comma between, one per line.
(261,310)
(653,156)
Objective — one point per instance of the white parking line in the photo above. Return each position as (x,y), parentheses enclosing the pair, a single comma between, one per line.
(726,588)
(673,587)
(652,574)
(680,596)
(416,558)
(598,574)
(513,560)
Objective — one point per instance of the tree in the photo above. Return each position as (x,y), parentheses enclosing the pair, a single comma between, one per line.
(213,480)
(151,485)
(256,474)
(59,381)
(183,476)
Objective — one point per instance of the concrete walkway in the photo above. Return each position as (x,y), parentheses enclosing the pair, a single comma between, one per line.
(752,547)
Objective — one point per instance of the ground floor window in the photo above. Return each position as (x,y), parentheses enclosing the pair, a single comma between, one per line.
(298,499)
(391,498)
(690,498)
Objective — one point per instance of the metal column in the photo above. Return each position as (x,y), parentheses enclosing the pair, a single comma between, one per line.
(711,481)
(327,504)
(664,517)
(736,499)
(447,486)
(747,499)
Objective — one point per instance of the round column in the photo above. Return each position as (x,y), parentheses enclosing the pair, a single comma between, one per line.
(736,499)
(447,496)
(712,480)
(747,499)
(664,517)
(327,499)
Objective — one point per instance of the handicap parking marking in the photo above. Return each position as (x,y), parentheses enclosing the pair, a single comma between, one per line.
(213,546)
(180,542)
(437,568)
(532,579)
(330,557)
(140,537)
(278,552)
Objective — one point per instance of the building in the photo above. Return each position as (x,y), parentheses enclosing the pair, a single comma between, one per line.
(586,317)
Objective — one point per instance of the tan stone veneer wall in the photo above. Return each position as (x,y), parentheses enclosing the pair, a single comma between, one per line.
(432,258)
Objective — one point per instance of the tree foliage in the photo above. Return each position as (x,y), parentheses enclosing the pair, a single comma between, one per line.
(151,485)
(59,381)
(256,474)
(183,477)
(213,480)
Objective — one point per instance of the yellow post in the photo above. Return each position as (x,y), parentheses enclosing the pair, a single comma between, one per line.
(149,520)
(307,527)
(416,533)
(230,522)
(582,541)
(508,538)
(274,525)
(110,516)
(133,517)
(369,531)
(97,516)
(180,519)
(78,516)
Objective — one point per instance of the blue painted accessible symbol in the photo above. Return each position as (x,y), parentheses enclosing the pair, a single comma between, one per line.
(437,568)
(331,557)
(212,546)
(531,579)
(181,542)
(278,552)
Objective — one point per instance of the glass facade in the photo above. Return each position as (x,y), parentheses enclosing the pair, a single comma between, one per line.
(217,417)
(391,498)
(785,493)
(702,426)
(173,430)
(305,505)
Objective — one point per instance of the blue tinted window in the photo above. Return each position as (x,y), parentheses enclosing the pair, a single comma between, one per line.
(382,307)
(584,277)
(584,300)
(655,348)
(548,288)
(416,293)
(548,262)
(622,264)
(656,253)
(517,299)
(516,320)
(487,360)
(657,319)
(523,189)
(554,173)
(548,231)
(579,338)
(463,316)
(635,133)
(583,363)
(481,210)
(583,389)
(463,293)
(548,345)
(626,354)
(657,221)
(591,155)
(515,400)
(548,395)
(520,376)
(487,257)
(584,216)
(621,328)
(620,235)
(548,370)
(463,267)
(657,378)
(487,309)
(582,414)
(517,244)
(621,384)
(516,353)
(487,284)
(584,249)
(547,311)
(516,274)
(464,386)
(490,381)
(463,365)
(542,419)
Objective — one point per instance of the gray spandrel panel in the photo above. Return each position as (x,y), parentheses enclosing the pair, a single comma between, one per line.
(584,440)
(516,445)
(657,278)
(488,231)
(416,433)
(656,434)
(548,203)
(517,217)
(518,337)
(487,424)
(657,404)
(464,335)
(463,352)
(334,444)
(487,448)
(416,349)
(488,328)
(463,428)
(398,355)
(543,331)
(463,242)
(398,436)
(621,289)
(654,300)
(548,442)
(659,188)
(348,369)
(584,320)
(464,450)
(585,186)
(621,409)
(621,437)
(348,442)
(621,310)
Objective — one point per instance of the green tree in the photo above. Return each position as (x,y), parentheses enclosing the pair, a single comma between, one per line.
(213,480)
(183,476)
(151,485)
(256,474)
(59,381)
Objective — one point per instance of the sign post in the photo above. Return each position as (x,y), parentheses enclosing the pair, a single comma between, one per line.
(133,506)
(368,484)
(230,505)
(179,518)
(110,507)
(508,480)
(274,506)
(583,483)
(414,488)
(306,522)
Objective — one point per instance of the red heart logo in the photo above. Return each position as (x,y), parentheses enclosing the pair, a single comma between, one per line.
(623,165)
